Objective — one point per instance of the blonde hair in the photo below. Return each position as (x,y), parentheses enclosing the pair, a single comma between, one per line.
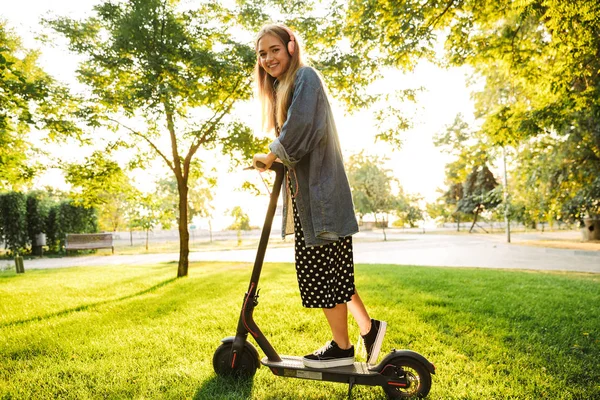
(275,101)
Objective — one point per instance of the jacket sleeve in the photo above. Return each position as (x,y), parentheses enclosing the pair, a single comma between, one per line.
(306,122)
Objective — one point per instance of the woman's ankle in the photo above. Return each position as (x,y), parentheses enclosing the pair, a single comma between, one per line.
(344,344)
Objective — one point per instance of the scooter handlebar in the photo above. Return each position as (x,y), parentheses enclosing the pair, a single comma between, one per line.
(275,166)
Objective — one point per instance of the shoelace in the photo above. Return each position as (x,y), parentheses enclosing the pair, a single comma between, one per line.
(323,349)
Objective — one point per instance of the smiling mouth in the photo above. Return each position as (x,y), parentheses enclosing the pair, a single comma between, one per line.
(273,66)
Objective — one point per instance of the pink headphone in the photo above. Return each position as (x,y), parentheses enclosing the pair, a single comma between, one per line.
(291,46)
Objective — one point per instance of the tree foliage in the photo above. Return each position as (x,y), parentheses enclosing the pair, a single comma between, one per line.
(373,192)
(151,211)
(241,222)
(371,185)
(479,193)
(101,183)
(470,183)
(200,194)
(167,78)
(407,209)
(541,68)
(29,98)
(539,61)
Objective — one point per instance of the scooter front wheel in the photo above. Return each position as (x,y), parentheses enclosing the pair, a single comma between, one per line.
(410,379)
(246,366)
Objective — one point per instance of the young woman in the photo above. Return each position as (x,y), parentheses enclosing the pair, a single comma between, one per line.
(317,204)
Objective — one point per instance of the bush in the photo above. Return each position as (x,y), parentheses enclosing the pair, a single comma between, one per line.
(37,213)
(13,221)
(23,217)
(52,233)
(73,218)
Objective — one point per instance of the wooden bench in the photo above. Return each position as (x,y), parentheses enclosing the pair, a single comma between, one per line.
(88,241)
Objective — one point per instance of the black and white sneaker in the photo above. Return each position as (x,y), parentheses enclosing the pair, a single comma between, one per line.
(374,339)
(329,356)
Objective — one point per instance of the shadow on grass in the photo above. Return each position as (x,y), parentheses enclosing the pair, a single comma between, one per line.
(225,388)
(85,307)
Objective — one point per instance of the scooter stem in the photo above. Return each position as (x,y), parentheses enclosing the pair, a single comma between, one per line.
(246,322)
(266,231)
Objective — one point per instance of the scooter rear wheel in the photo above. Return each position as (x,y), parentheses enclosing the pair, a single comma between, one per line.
(413,380)
(246,366)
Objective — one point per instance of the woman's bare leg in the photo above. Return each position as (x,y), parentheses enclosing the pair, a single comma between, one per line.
(337,318)
(338,322)
(360,314)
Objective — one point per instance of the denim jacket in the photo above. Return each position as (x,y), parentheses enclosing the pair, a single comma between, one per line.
(308,143)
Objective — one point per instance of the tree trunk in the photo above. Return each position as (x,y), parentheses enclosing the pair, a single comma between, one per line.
(147,230)
(474,220)
(184,235)
(182,174)
(458,223)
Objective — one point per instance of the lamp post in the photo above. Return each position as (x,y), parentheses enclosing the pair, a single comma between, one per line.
(506,219)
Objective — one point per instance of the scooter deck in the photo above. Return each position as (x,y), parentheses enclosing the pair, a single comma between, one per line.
(292,366)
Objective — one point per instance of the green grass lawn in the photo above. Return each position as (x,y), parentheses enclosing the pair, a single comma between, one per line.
(136,332)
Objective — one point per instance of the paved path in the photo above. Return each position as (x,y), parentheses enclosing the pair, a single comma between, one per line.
(483,251)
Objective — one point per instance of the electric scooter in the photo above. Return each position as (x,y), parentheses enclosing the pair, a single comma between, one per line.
(401,373)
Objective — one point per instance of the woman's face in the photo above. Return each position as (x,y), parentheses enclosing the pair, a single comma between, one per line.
(273,55)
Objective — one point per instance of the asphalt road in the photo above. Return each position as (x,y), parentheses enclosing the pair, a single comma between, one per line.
(430,249)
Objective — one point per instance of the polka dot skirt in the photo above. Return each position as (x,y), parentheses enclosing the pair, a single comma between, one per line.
(325,273)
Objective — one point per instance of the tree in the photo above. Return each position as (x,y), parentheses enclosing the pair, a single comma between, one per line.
(150,213)
(200,192)
(101,183)
(532,200)
(479,193)
(371,188)
(407,209)
(452,198)
(470,151)
(440,212)
(28,98)
(241,222)
(161,74)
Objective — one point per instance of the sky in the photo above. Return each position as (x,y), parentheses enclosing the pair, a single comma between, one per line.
(418,165)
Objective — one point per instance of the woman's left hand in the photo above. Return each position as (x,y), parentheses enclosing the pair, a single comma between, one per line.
(266,159)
